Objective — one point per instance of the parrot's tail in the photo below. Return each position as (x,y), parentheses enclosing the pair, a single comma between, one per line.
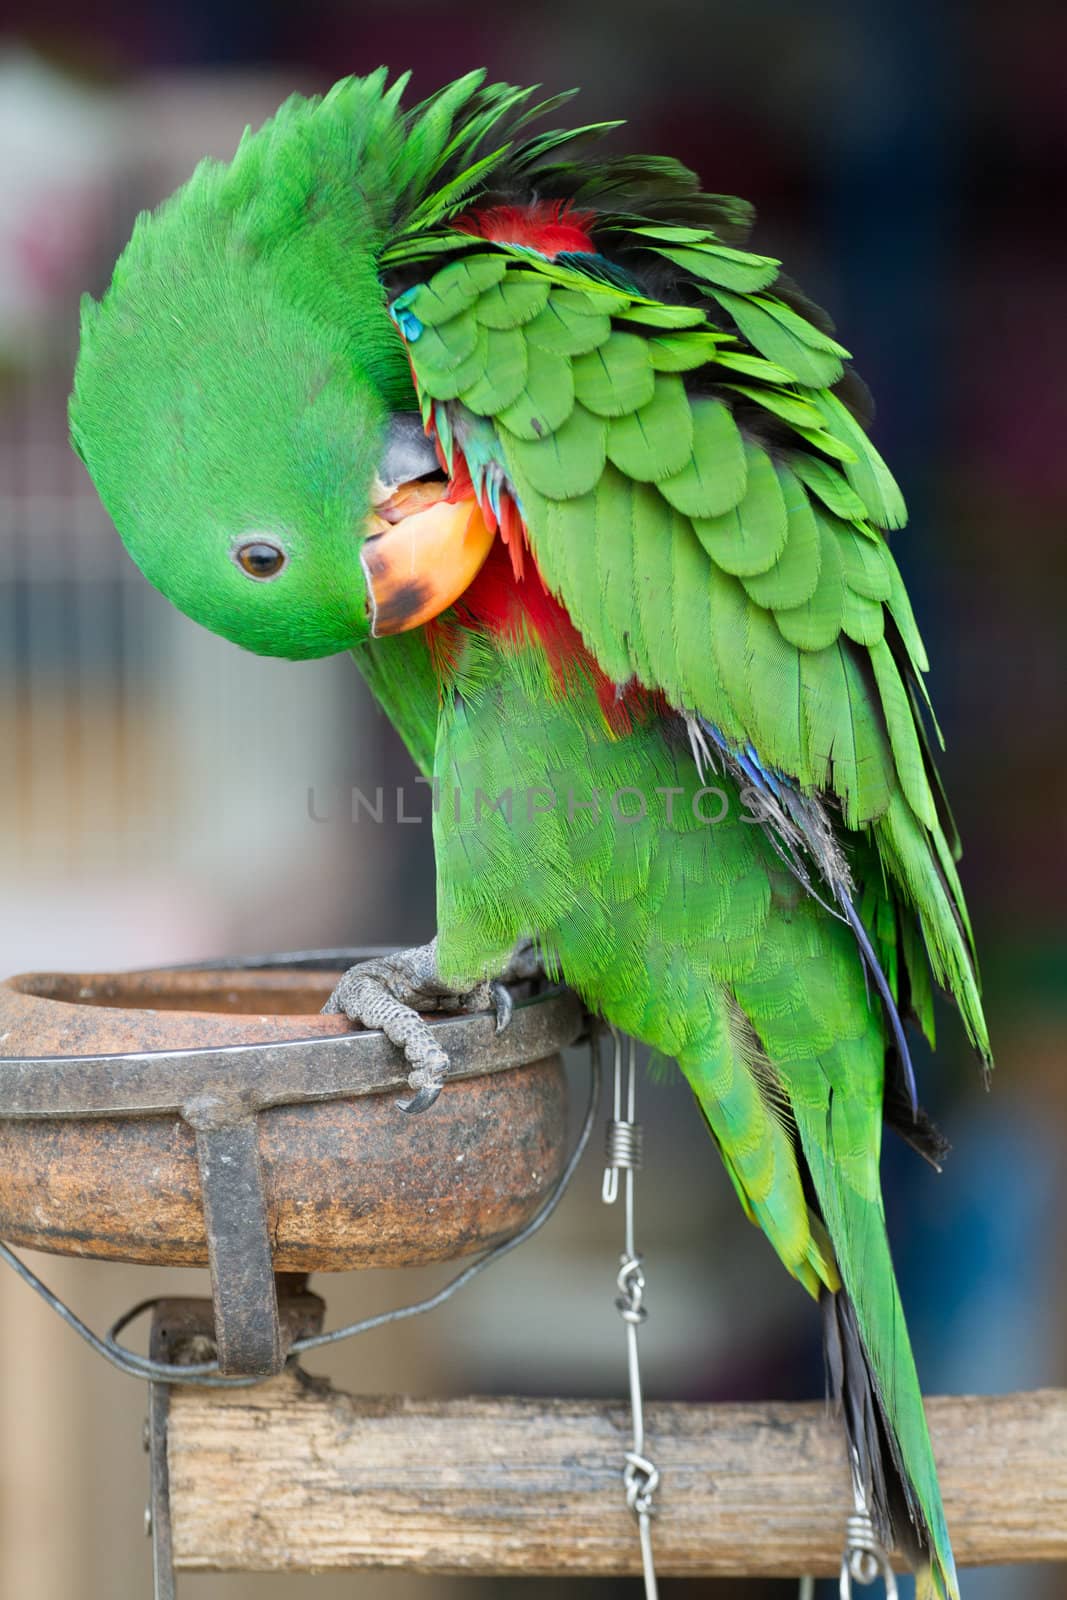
(891,1461)
(800,1138)
(874,1456)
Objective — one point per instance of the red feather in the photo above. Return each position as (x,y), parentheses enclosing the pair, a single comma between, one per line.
(509,601)
(550,226)
(513,533)
(515,609)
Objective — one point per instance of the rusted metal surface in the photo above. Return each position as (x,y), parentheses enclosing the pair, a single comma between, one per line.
(346,1182)
(83,1013)
(69,1074)
(349,1183)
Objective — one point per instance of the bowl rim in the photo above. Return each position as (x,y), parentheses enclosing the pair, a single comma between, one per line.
(254,1076)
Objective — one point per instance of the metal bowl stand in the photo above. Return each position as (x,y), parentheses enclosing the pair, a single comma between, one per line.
(254,1315)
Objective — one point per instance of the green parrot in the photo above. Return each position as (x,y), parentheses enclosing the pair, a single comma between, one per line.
(584,484)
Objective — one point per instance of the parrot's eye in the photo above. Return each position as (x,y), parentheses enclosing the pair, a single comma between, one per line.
(260,559)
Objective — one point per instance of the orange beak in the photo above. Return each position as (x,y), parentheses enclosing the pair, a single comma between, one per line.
(420,554)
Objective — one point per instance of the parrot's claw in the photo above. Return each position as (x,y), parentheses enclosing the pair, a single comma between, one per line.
(421,1100)
(389,992)
(503,1004)
(524,966)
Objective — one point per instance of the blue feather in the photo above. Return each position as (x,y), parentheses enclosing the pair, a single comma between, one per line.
(404,317)
(881,983)
(797,826)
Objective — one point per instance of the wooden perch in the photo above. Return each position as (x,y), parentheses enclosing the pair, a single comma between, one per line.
(294,1476)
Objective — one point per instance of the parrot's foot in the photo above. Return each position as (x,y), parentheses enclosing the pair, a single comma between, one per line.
(390,992)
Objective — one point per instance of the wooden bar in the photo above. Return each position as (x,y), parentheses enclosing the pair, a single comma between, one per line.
(295,1476)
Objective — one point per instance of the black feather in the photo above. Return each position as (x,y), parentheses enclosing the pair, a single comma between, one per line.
(874,1459)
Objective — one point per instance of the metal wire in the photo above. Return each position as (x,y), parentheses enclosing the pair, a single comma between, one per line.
(127,1361)
(865,1558)
(206,1375)
(336,958)
(640,1476)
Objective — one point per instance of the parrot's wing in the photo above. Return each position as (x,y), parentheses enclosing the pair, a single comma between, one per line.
(709,512)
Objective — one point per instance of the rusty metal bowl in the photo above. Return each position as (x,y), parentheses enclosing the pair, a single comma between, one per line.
(103,1162)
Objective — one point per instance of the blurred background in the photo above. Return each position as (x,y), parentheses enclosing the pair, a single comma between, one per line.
(163,796)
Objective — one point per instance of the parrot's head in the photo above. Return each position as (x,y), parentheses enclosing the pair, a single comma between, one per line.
(260,456)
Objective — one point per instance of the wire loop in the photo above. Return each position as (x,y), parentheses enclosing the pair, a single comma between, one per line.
(865,1558)
(641,1478)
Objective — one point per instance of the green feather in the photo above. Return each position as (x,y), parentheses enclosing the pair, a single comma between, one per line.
(682,352)
(793,578)
(609,563)
(750,537)
(566,332)
(827,482)
(904,617)
(903,736)
(798,413)
(729,645)
(515,299)
(653,585)
(819,439)
(655,441)
(862,619)
(455,287)
(751,366)
(401,676)
(451,195)
(584,299)
(730,269)
(503,377)
(905,847)
(713,479)
(657,316)
(816,623)
(845,733)
(591,544)
(863,561)
(777,730)
(674,235)
(446,382)
(565,464)
(917,966)
(547,399)
(868,473)
(616,378)
(785,338)
(446,345)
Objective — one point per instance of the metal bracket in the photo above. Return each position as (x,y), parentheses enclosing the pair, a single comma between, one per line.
(218,1093)
(247,1332)
(183,1333)
(157,1512)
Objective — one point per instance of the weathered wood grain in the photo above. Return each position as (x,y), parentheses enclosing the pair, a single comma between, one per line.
(294,1476)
